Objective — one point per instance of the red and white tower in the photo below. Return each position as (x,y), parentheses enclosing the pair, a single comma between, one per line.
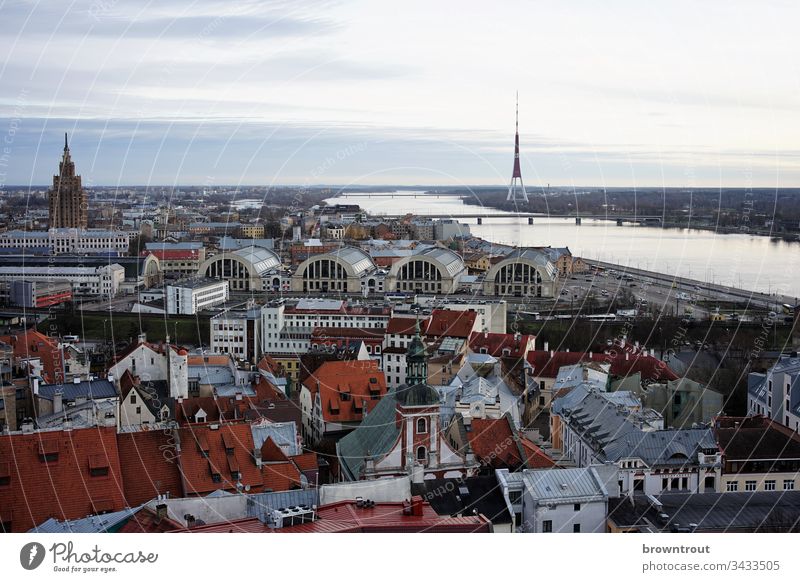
(516,190)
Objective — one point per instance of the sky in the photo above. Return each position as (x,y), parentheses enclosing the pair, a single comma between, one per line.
(358,93)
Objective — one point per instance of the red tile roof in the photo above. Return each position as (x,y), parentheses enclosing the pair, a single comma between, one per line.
(149,465)
(493,442)
(444,322)
(270,452)
(365,333)
(187,408)
(33,344)
(210,458)
(495,343)
(63,487)
(346,387)
(535,458)
(404,325)
(306,462)
(280,476)
(623,363)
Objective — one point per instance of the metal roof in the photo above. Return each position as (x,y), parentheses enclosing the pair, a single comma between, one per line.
(565,485)
(92,524)
(283,434)
(445,257)
(263,260)
(90,390)
(661,447)
(375,437)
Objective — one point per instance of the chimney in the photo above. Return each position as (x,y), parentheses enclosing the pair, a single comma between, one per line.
(161,512)
(416,506)
(190,520)
(627,356)
(547,347)
(36,386)
(58,401)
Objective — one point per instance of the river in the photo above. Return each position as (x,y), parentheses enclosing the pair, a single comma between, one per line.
(750,262)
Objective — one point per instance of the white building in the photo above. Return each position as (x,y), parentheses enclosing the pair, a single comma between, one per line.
(69,240)
(155,362)
(558,500)
(103,281)
(287,329)
(190,296)
(776,393)
(236,332)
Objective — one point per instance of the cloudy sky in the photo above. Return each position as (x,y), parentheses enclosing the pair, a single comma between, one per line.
(363,92)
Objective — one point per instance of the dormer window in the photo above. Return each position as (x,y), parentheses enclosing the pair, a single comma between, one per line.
(506,351)
(215,474)
(48,450)
(98,466)
(228,443)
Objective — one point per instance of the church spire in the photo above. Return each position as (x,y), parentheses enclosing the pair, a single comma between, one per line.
(416,358)
(66,145)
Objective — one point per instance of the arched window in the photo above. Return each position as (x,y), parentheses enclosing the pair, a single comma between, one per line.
(422,427)
(422,454)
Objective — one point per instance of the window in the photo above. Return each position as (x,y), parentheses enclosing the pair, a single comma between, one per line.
(749,485)
(547,526)
(576,507)
(732,486)
(788,485)
(138,410)
(422,426)
(576,528)
(133,398)
(769,485)
(422,454)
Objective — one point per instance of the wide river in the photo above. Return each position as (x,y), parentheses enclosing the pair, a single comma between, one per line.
(749,262)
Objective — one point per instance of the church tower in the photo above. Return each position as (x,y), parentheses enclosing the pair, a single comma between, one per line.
(69,205)
(416,360)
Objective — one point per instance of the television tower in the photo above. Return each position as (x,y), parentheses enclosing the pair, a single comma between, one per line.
(516,190)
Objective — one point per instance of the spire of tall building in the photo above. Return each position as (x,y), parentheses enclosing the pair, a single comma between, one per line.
(516,190)
(69,206)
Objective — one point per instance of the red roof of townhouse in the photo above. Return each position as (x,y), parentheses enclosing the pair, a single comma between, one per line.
(623,363)
(60,474)
(495,344)
(492,440)
(415,516)
(33,344)
(281,476)
(149,462)
(346,388)
(363,333)
(404,325)
(186,410)
(447,323)
(535,458)
(218,458)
